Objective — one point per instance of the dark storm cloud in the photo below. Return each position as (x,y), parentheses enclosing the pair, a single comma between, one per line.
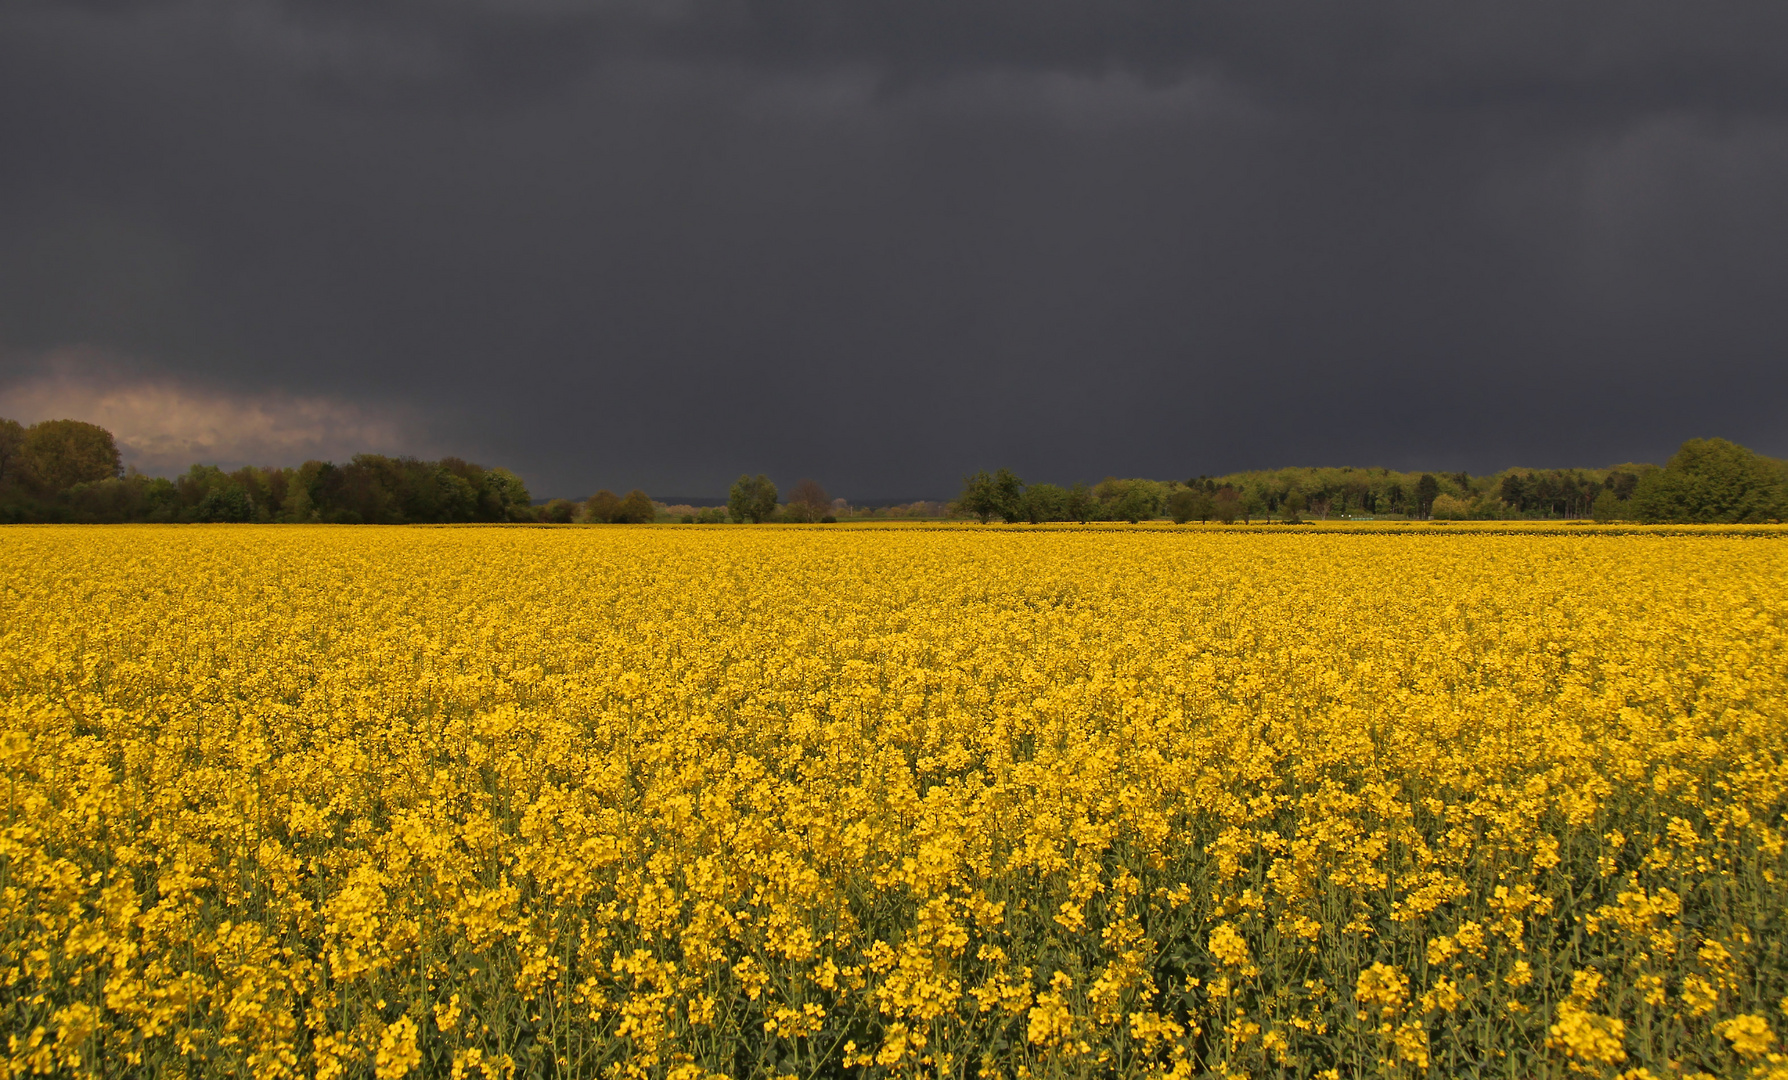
(657,242)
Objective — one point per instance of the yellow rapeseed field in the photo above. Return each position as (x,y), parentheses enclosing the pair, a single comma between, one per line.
(798,802)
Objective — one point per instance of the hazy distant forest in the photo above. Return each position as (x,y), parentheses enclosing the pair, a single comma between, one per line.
(71,471)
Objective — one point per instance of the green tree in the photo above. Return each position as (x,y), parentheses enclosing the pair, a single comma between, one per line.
(1253,504)
(1045,502)
(1513,490)
(1227,504)
(1129,500)
(1426,489)
(312,492)
(132,497)
(1191,502)
(1080,503)
(752,498)
(987,496)
(1133,503)
(1008,492)
(1182,505)
(558,511)
(1450,508)
(458,499)
(1624,482)
(197,482)
(636,509)
(428,491)
(1712,481)
(59,454)
(1393,496)
(977,496)
(371,485)
(601,508)
(227,503)
(510,493)
(12,448)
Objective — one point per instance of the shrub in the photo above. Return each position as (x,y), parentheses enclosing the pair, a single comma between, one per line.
(1450,508)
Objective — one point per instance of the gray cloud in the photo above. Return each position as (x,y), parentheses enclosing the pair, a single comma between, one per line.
(162,425)
(658,243)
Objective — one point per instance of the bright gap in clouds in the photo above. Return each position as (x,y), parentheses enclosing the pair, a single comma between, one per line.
(164,424)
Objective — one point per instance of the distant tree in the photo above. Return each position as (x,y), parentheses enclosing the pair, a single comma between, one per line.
(558,512)
(160,499)
(133,497)
(1180,506)
(510,494)
(1133,503)
(1573,494)
(75,475)
(1045,502)
(977,496)
(710,515)
(1393,497)
(428,491)
(601,508)
(1187,503)
(636,509)
(1008,492)
(372,489)
(228,503)
(279,484)
(1080,503)
(12,447)
(1426,490)
(1622,482)
(1227,504)
(1291,507)
(1608,506)
(1449,508)
(262,487)
(197,482)
(1513,490)
(1129,499)
(808,502)
(1712,480)
(455,497)
(752,498)
(297,507)
(312,492)
(58,454)
(998,495)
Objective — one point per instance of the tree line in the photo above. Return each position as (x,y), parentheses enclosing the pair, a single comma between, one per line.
(72,471)
(1707,480)
(69,470)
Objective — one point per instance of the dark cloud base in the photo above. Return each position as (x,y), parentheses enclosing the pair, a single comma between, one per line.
(656,244)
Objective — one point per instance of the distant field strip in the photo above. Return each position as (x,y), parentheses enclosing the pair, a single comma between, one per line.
(1347,800)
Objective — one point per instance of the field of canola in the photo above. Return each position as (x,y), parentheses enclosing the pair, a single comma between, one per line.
(783,802)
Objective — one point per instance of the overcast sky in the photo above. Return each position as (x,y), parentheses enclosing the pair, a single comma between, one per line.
(882,243)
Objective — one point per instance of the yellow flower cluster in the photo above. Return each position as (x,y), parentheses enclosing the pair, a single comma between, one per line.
(700,802)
